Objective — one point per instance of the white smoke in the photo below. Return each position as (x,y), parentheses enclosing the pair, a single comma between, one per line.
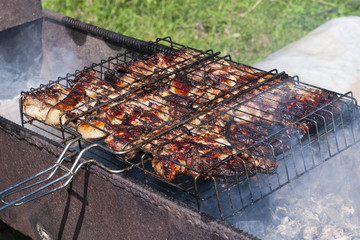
(321,204)
(24,64)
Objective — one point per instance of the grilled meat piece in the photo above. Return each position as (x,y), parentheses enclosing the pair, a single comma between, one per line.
(81,98)
(58,103)
(37,104)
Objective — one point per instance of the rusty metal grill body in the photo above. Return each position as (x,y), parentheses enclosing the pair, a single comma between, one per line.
(230,194)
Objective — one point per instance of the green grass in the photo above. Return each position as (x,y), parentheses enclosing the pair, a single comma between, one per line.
(249,30)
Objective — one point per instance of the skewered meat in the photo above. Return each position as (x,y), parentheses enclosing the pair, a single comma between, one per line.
(196,116)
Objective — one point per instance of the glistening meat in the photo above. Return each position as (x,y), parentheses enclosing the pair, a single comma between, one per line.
(196,116)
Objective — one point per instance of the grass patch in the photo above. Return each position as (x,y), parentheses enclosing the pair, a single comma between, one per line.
(249,30)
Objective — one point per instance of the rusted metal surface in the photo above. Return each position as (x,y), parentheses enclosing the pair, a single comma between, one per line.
(97,205)
(17,12)
(68,46)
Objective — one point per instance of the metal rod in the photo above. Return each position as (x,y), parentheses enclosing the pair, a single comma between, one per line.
(126,41)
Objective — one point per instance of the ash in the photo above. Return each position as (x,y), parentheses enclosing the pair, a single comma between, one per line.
(322,204)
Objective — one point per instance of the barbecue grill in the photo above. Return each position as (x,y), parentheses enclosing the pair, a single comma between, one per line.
(185,206)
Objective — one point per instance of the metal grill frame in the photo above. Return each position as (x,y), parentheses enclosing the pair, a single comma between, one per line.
(198,189)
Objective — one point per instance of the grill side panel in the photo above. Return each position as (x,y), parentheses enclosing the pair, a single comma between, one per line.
(17,12)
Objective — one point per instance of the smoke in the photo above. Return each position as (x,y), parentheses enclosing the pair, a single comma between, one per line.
(26,61)
(321,204)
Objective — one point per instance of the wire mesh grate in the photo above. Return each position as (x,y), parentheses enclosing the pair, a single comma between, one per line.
(196,125)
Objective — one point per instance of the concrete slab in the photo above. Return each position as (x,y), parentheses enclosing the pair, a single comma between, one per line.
(327,57)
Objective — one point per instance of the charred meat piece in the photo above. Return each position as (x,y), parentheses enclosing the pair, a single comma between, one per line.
(37,104)
(82,97)
(57,104)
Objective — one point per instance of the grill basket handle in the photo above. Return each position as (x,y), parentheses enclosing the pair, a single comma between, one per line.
(44,182)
